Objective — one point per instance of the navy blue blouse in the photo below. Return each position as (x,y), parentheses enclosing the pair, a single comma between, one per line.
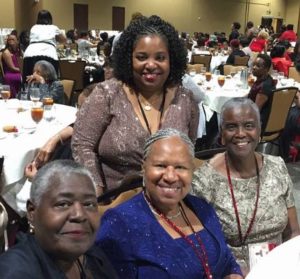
(139,247)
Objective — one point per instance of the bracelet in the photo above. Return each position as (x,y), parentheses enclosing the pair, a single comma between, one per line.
(60,139)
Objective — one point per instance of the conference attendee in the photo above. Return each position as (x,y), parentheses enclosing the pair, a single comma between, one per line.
(280,63)
(235,51)
(64,218)
(45,77)
(164,232)
(12,74)
(261,91)
(235,34)
(84,45)
(251,192)
(289,34)
(43,38)
(146,95)
(260,43)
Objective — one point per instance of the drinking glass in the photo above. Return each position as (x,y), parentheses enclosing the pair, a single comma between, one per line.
(5,92)
(217,72)
(221,81)
(203,70)
(280,76)
(232,73)
(208,76)
(37,112)
(48,104)
(34,94)
(251,80)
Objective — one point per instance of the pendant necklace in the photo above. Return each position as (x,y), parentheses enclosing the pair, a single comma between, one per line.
(148,108)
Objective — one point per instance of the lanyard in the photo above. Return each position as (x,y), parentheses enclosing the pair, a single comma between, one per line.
(243,238)
(161,110)
(201,255)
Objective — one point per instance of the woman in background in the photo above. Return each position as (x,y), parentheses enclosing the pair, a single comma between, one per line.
(45,77)
(12,74)
(43,38)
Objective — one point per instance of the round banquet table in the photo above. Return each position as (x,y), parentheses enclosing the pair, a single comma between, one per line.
(19,148)
(281,262)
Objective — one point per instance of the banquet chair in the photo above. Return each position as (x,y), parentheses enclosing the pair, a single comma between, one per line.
(230,68)
(281,102)
(73,70)
(130,186)
(201,59)
(293,73)
(68,85)
(194,67)
(209,153)
(241,60)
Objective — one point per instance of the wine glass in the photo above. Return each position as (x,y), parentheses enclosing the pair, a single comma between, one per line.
(221,81)
(5,92)
(34,94)
(208,76)
(37,113)
(203,71)
(251,80)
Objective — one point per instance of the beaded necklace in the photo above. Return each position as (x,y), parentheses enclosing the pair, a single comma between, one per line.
(243,238)
(200,253)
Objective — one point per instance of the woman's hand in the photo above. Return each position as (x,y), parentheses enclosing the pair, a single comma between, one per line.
(46,151)
(31,170)
(36,78)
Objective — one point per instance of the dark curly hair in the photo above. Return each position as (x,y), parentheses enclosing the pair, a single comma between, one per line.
(151,26)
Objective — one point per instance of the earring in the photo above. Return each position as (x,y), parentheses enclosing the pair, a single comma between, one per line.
(31,228)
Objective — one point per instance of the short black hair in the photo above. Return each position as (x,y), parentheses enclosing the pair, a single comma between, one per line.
(44,17)
(236,25)
(290,27)
(277,51)
(267,60)
(149,26)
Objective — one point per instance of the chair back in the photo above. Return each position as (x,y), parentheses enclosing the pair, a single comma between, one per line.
(201,59)
(73,70)
(281,102)
(129,187)
(293,73)
(241,60)
(68,85)
(209,153)
(230,68)
(194,67)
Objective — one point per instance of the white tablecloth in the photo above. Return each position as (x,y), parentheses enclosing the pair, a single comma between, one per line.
(282,262)
(20,148)
(215,96)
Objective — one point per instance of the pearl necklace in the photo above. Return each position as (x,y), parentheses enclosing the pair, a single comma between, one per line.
(170,217)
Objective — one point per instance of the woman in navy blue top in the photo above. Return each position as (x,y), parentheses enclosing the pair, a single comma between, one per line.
(164,232)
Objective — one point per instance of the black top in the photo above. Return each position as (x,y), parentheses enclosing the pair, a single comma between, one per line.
(234,35)
(265,87)
(27,260)
(235,52)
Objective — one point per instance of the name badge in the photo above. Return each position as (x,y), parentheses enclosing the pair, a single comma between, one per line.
(259,250)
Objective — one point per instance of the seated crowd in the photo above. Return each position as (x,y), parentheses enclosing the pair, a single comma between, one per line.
(142,120)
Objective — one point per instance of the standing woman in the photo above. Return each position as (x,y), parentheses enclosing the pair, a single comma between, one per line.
(251,192)
(43,38)
(12,75)
(113,124)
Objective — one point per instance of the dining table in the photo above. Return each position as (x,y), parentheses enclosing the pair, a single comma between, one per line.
(19,147)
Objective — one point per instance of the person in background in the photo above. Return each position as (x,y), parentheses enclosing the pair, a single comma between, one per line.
(250,31)
(12,75)
(24,40)
(63,219)
(295,55)
(261,90)
(84,44)
(43,38)
(280,63)
(235,51)
(71,36)
(173,235)
(251,192)
(259,44)
(234,31)
(289,34)
(146,95)
(45,76)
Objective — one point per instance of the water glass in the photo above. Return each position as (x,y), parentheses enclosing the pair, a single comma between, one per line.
(34,94)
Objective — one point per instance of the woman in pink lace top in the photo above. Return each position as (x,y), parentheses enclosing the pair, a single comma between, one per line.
(113,124)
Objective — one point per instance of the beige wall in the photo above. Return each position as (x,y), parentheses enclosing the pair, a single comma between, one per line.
(7,14)
(185,15)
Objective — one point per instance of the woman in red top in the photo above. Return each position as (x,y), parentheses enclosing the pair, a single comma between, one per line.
(280,63)
(259,43)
